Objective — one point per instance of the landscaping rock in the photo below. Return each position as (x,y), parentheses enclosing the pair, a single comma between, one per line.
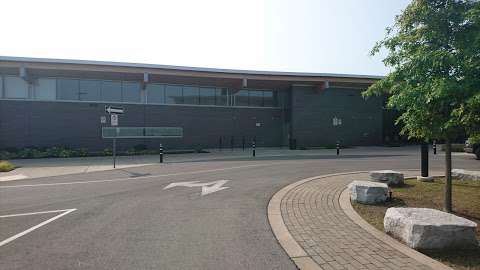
(424,228)
(466,175)
(367,192)
(387,176)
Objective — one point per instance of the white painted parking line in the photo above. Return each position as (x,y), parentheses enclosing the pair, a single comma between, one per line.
(138,178)
(18,235)
(12,177)
(207,188)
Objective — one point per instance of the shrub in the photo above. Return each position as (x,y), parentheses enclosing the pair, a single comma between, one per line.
(132,151)
(6,155)
(65,153)
(107,151)
(53,151)
(6,166)
(82,152)
(25,153)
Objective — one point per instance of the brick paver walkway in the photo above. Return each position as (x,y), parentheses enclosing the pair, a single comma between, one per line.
(313,216)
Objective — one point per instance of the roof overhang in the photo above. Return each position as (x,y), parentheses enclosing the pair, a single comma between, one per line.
(121,67)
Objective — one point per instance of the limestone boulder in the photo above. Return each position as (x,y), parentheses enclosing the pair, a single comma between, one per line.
(424,228)
(465,175)
(389,177)
(368,192)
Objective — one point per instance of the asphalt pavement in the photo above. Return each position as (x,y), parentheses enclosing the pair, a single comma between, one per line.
(207,214)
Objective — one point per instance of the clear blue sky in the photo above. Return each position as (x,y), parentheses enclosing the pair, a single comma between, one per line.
(333,36)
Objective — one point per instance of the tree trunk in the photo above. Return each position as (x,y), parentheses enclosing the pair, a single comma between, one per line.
(448,176)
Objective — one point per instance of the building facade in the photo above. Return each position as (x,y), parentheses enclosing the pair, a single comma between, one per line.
(50,102)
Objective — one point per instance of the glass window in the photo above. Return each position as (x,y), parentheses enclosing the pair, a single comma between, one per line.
(190,95)
(15,87)
(222,95)
(255,98)
(155,93)
(67,89)
(241,98)
(173,94)
(45,89)
(131,92)
(270,98)
(112,91)
(207,96)
(90,90)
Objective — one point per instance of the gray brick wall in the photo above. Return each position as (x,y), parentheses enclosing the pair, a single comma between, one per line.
(312,113)
(33,123)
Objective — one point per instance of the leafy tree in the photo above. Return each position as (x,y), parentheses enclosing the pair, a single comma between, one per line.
(434,55)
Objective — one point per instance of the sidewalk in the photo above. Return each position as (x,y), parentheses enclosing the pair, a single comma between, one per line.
(310,223)
(45,167)
(34,168)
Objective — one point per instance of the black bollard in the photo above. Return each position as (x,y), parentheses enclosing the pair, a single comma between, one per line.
(220,143)
(338,148)
(253,148)
(434,147)
(424,157)
(161,153)
(243,143)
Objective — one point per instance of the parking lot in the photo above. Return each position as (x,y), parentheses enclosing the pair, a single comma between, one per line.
(197,214)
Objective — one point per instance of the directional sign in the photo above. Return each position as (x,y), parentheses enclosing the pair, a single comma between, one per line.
(141,132)
(207,188)
(114,110)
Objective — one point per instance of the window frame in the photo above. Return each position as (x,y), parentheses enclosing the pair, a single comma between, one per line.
(4,82)
(230,98)
(34,89)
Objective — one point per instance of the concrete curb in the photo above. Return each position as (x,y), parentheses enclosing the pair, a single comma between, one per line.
(298,255)
(301,258)
(347,207)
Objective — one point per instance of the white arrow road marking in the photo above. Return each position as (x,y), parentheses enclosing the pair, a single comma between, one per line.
(207,188)
(18,235)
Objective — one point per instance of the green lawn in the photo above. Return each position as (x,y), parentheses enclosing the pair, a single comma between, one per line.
(466,203)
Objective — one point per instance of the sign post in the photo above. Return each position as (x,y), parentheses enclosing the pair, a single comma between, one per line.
(114,152)
(114,123)
(114,112)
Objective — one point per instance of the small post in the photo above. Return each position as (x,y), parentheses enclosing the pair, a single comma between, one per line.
(424,158)
(220,143)
(243,143)
(434,147)
(253,148)
(114,152)
(231,143)
(338,148)
(161,153)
